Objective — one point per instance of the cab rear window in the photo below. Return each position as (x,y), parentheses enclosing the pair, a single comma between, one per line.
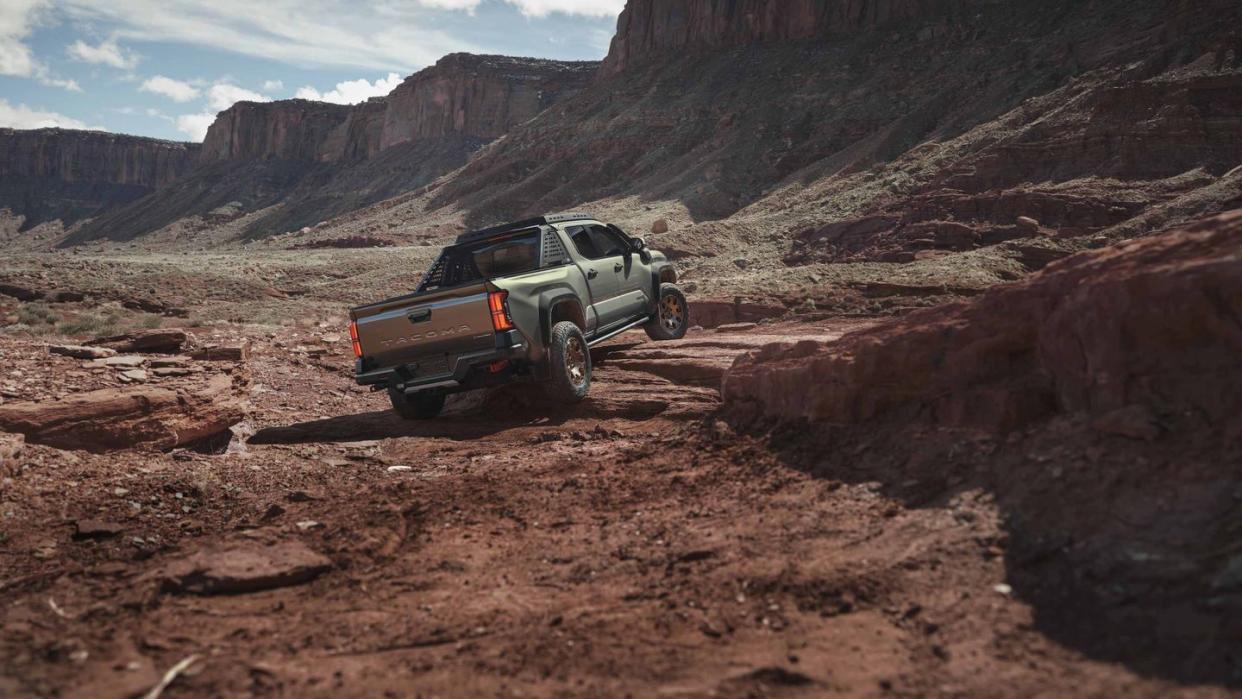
(505,258)
(488,259)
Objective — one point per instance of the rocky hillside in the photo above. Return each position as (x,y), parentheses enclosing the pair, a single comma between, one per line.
(49,174)
(879,130)
(293,163)
(820,131)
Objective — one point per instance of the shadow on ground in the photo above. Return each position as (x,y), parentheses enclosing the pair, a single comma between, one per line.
(1127,551)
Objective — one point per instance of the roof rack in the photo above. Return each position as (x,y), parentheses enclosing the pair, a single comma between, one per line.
(484,234)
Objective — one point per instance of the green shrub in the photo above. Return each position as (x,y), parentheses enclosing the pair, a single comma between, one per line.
(87,325)
(35,314)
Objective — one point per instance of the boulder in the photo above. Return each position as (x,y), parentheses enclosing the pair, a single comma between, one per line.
(1028,223)
(243,568)
(156,340)
(660,226)
(1151,322)
(96,529)
(146,417)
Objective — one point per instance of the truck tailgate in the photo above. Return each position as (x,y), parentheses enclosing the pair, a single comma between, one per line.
(431,329)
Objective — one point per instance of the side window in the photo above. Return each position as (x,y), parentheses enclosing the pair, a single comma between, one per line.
(608,243)
(583,241)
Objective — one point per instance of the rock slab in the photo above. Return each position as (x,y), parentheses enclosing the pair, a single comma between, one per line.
(1153,322)
(157,340)
(147,417)
(244,568)
(82,352)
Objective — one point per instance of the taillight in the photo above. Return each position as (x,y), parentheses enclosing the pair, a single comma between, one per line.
(353,336)
(498,302)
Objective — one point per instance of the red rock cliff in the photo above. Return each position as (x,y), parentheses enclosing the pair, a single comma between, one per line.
(93,157)
(652,27)
(285,130)
(51,174)
(478,96)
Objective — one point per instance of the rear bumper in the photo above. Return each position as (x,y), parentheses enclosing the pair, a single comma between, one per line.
(510,345)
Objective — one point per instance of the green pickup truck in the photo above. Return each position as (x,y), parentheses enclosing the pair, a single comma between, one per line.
(519,302)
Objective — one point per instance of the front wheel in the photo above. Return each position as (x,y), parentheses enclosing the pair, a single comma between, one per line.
(570,360)
(672,315)
(419,406)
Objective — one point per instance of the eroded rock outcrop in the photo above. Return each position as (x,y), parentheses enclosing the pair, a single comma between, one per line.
(1155,322)
(653,27)
(321,160)
(463,94)
(49,174)
(478,96)
(146,417)
(285,130)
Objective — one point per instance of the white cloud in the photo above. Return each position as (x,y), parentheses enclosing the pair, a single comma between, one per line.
(590,8)
(223,95)
(23,117)
(273,85)
(106,53)
(540,8)
(383,36)
(467,5)
(352,91)
(17,20)
(195,125)
(175,90)
(70,85)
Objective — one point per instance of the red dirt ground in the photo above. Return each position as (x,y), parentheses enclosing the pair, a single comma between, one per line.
(637,546)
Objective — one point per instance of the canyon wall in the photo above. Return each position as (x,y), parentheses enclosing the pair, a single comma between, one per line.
(648,28)
(93,156)
(285,130)
(303,162)
(478,96)
(49,174)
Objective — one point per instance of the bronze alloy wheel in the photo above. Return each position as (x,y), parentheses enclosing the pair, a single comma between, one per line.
(672,313)
(575,361)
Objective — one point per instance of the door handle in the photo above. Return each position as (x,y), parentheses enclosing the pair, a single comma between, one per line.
(591,274)
(420,316)
(618,267)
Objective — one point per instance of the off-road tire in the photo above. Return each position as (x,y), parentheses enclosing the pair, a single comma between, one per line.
(672,317)
(420,406)
(570,362)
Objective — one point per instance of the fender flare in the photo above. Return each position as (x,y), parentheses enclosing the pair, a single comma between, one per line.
(548,301)
(657,272)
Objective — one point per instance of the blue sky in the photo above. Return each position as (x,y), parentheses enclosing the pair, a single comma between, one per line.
(164,68)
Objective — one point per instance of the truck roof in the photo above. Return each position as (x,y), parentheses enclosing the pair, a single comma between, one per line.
(484,234)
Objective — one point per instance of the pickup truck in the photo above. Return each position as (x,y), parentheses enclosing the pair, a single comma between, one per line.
(519,302)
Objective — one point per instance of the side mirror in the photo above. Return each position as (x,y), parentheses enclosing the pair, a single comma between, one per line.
(639,244)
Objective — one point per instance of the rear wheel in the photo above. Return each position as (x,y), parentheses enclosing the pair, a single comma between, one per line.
(672,315)
(419,406)
(570,360)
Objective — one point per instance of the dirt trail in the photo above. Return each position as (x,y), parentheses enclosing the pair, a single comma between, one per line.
(636,546)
